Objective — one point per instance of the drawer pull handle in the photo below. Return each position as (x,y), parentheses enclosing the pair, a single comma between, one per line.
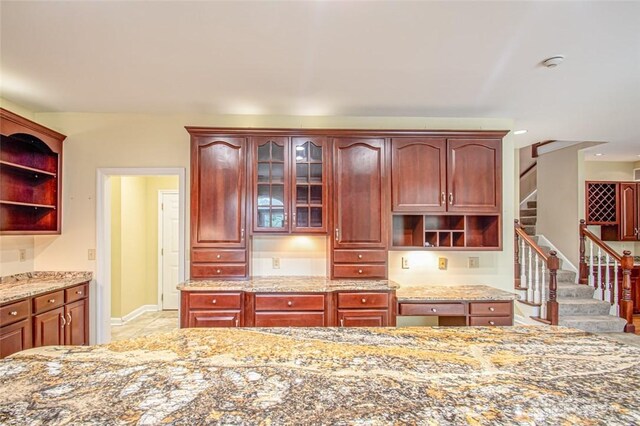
(492,323)
(69,322)
(218,257)
(237,322)
(51,300)
(78,292)
(492,309)
(218,271)
(214,301)
(14,313)
(434,310)
(289,303)
(359,271)
(359,256)
(64,321)
(341,322)
(364,300)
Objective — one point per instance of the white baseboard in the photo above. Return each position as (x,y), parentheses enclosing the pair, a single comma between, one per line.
(134,314)
(566,263)
(520,320)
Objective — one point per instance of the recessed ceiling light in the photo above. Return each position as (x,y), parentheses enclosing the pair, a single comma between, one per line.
(553,61)
(599,154)
(520,132)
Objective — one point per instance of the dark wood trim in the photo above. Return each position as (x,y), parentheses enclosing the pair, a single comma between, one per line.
(32,125)
(528,169)
(522,234)
(535,146)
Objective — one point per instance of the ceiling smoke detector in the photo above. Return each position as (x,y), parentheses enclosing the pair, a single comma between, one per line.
(553,61)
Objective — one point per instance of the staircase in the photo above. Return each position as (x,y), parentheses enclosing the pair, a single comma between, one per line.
(577,307)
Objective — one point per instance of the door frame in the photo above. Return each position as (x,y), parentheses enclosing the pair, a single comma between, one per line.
(161,192)
(101,316)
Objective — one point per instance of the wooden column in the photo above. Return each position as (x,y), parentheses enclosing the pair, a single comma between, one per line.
(553,263)
(583,269)
(626,304)
(516,256)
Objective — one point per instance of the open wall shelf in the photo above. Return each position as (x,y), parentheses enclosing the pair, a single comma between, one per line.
(446,232)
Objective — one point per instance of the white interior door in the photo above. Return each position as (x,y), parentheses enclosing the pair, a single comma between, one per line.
(169,250)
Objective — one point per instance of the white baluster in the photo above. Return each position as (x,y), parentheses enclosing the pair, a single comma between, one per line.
(530,277)
(523,264)
(616,265)
(599,282)
(607,288)
(536,290)
(591,263)
(543,293)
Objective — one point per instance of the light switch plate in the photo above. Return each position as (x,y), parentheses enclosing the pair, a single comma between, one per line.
(275,262)
(474,262)
(91,254)
(23,255)
(442,263)
(405,263)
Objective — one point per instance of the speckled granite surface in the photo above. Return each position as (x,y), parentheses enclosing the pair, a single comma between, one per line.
(287,284)
(435,376)
(457,293)
(16,287)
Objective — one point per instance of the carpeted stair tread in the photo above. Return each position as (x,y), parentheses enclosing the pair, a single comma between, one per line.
(569,306)
(594,323)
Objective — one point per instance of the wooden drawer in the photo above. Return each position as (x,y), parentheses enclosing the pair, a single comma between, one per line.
(219,256)
(431,309)
(363,318)
(214,300)
(359,256)
(490,308)
(214,271)
(490,321)
(289,319)
(14,312)
(214,319)
(290,302)
(363,300)
(48,301)
(76,293)
(359,271)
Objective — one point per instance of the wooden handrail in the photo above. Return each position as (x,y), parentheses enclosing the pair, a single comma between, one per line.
(528,169)
(521,232)
(535,146)
(584,232)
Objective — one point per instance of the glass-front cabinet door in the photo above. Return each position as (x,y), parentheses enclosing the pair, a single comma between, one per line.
(271,186)
(309,184)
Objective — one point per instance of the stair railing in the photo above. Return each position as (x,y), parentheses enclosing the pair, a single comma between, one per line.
(605,270)
(531,265)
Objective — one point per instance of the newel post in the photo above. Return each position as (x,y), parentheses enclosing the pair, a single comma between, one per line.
(553,263)
(626,304)
(584,272)
(516,255)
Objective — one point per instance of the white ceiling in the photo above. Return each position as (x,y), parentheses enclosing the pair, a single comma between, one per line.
(451,59)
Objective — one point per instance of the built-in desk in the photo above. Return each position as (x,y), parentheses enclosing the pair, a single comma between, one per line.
(457,305)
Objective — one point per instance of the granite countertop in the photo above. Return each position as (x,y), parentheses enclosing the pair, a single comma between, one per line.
(287,284)
(428,375)
(454,292)
(16,287)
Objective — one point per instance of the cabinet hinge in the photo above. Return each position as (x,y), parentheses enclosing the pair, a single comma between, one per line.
(162,206)
(161,252)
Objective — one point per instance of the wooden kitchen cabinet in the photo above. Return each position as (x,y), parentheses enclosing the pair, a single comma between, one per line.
(310,184)
(615,206)
(271,184)
(15,337)
(629,212)
(49,328)
(77,326)
(211,309)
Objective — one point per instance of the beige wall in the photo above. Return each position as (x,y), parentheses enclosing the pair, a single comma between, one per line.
(608,170)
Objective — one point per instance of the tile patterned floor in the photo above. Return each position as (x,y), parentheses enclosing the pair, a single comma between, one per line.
(146,324)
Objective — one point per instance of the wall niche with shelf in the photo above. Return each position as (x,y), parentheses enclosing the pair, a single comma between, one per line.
(30,181)
(446,232)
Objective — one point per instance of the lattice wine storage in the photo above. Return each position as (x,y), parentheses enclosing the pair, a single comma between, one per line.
(601,200)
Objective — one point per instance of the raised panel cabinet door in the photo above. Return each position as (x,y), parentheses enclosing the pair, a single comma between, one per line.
(309,184)
(15,338)
(418,174)
(474,175)
(360,193)
(218,191)
(49,328)
(363,318)
(628,212)
(76,329)
(270,165)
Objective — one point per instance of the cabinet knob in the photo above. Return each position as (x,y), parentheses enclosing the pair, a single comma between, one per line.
(214,301)
(289,303)
(364,300)
(359,271)
(78,292)
(51,300)
(359,256)
(14,313)
(492,323)
(218,257)
(218,271)
(491,308)
(434,310)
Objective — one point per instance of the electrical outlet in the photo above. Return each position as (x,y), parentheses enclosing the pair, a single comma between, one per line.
(275,262)
(23,255)
(474,262)
(91,254)
(442,263)
(405,263)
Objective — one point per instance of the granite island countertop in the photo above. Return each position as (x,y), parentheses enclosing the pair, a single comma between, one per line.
(298,284)
(429,293)
(20,286)
(375,376)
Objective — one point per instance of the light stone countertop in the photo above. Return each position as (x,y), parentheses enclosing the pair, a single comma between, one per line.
(429,293)
(521,375)
(20,286)
(293,284)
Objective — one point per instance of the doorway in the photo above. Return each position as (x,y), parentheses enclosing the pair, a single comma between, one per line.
(140,250)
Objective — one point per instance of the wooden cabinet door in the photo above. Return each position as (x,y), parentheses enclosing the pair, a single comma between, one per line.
(360,193)
(629,210)
(15,338)
(363,318)
(214,319)
(77,327)
(418,174)
(270,165)
(218,191)
(474,175)
(309,183)
(48,328)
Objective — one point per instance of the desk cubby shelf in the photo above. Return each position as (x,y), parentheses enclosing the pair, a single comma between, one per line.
(446,232)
